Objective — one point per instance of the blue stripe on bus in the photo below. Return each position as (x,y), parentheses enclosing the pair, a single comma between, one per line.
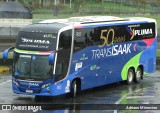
(113,24)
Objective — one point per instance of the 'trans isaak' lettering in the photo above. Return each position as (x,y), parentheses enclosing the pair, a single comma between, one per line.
(111,51)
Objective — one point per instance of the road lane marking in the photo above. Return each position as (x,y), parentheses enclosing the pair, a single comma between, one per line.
(125,96)
(133,97)
(5,82)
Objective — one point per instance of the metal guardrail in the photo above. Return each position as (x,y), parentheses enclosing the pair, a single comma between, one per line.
(10,27)
(100,11)
(6,42)
(10,22)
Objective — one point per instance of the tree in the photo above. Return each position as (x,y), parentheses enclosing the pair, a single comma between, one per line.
(140,4)
(78,4)
(22,1)
(155,3)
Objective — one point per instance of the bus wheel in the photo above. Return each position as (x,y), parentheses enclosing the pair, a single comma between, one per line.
(74,89)
(37,98)
(138,75)
(130,76)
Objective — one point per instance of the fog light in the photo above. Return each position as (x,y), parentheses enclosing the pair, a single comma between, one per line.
(47,88)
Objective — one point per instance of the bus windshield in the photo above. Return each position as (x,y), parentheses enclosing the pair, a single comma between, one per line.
(31,67)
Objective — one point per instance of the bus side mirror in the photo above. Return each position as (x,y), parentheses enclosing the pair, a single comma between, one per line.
(51,58)
(5,53)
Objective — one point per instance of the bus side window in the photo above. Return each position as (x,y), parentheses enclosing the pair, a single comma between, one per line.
(87,37)
(95,36)
(82,39)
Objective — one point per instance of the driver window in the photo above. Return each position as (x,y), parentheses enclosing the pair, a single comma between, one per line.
(63,55)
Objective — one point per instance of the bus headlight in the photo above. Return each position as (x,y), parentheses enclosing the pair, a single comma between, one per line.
(15,83)
(45,85)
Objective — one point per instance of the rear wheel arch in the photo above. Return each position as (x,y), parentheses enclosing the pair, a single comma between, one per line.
(133,68)
(78,81)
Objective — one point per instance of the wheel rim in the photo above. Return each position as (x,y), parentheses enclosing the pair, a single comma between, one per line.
(75,90)
(138,75)
(130,76)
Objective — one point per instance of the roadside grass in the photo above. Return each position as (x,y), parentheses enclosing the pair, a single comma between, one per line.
(3,67)
(37,17)
(91,7)
(10,56)
(158,53)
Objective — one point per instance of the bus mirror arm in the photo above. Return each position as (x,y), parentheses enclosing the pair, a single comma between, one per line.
(58,50)
(5,53)
(52,55)
(51,58)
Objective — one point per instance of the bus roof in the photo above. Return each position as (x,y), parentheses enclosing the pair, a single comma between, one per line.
(97,19)
(54,25)
(44,27)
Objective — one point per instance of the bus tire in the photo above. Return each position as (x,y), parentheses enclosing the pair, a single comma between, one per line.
(130,76)
(37,98)
(138,75)
(74,89)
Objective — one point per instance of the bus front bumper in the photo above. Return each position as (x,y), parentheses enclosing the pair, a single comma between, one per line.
(52,90)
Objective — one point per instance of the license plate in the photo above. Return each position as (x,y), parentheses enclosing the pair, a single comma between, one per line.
(29,91)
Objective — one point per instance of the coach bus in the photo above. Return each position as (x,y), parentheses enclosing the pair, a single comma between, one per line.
(66,56)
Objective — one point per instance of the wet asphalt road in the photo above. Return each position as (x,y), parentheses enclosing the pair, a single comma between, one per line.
(146,92)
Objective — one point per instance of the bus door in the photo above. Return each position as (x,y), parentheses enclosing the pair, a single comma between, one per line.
(63,55)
